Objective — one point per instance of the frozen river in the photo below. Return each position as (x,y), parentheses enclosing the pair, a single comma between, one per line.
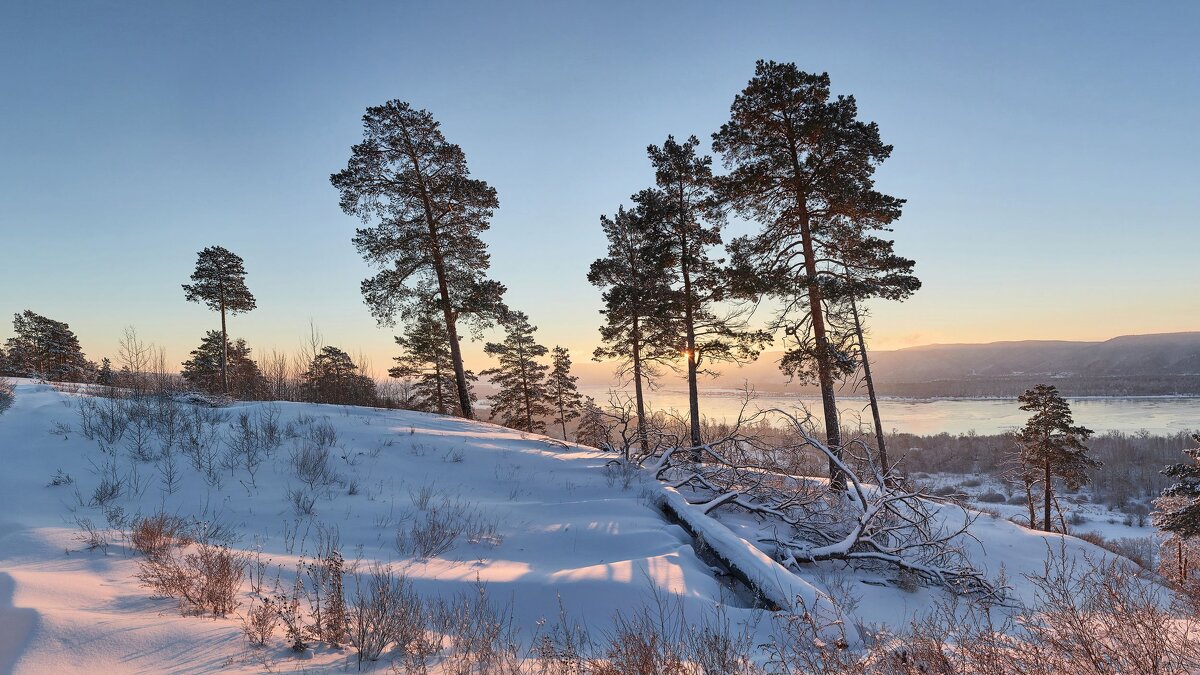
(1165,415)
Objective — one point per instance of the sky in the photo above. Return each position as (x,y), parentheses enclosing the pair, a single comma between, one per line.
(1046,150)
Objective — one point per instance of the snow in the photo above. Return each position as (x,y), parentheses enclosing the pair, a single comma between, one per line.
(565,533)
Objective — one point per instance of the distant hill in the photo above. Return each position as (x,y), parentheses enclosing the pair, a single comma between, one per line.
(1129,365)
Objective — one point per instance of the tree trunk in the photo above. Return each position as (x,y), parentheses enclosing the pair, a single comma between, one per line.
(636,339)
(460,373)
(862,349)
(833,430)
(224,351)
(1046,493)
(437,392)
(689,325)
(1029,505)
(439,264)
(525,394)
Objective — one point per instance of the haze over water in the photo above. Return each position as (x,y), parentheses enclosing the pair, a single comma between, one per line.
(1165,415)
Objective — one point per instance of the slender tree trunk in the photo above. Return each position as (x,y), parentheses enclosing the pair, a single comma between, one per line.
(689,322)
(1046,494)
(439,264)
(224,351)
(525,394)
(562,418)
(637,388)
(862,349)
(1029,503)
(437,392)
(833,430)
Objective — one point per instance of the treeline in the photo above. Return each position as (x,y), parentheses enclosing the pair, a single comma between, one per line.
(46,349)
(1132,468)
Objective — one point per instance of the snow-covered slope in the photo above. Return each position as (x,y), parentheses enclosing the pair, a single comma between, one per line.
(565,531)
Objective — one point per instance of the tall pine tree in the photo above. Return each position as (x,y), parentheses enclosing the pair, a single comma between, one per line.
(425,359)
(426,214)
(219,281)
(521,401)
(561,391)
(1052,446)
(798,160)
(636,276)
(710,332)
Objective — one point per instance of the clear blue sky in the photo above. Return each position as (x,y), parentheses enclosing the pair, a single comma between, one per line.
(1047,150)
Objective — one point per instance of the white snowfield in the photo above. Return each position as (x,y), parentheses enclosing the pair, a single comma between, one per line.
(565,533)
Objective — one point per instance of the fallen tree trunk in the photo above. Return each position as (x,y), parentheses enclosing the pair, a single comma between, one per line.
(775,586)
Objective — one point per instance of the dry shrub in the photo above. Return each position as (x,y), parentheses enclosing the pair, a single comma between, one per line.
(1089,617)
(260,621)
(204,580)
(482,636)
(157,533)
(386,610)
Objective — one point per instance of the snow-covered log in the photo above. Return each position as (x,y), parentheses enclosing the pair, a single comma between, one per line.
(874,520)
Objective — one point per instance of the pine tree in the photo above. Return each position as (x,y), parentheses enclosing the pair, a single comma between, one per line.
(592,430)
(425,358)
(521,401)
(561,390)
(241,378)
(219,281)
(428,215)
(45,348)
(1177,510)
(104,376)
(693,223)
(798,161)
(1051,446)
(333,377)
(636,276)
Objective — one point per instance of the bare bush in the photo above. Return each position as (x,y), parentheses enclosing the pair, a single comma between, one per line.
(303,502)
(108,489)
(155,534)
(204,580)
(326,596)
(436,531)
(292,616)
(260,621)
(90,536)
(311,465)
(244,448)
(322,434)
(385,610)
(482,635)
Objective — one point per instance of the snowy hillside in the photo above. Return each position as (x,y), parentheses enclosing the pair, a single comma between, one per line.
(544,528)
